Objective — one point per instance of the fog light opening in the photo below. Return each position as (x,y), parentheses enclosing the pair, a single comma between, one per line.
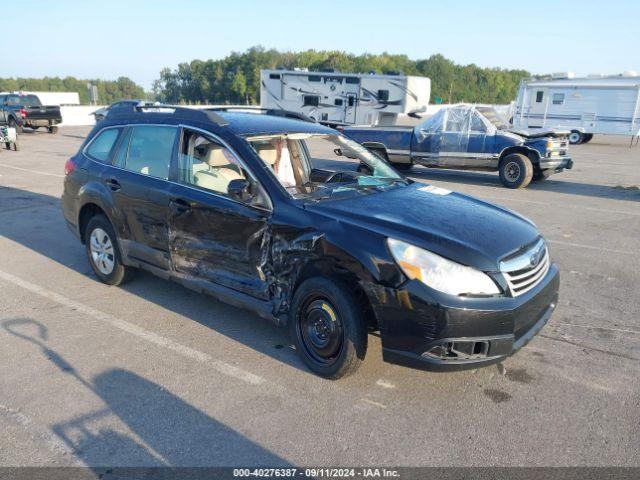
(459,350)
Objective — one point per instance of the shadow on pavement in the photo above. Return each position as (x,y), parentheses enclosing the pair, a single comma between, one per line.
(47,235)
(165,430)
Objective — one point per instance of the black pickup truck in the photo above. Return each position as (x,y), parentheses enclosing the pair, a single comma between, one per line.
(20,111)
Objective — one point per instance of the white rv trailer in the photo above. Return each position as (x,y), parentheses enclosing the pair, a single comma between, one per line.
(337,98)
(585,106)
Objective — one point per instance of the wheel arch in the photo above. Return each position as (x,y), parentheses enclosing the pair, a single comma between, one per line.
(531,153)
(86,213)
(329,268)
(377,146)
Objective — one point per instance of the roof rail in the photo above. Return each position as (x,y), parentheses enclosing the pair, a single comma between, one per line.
(266,111)
(179,112)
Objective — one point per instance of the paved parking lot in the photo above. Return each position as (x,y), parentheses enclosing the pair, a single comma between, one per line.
(153,374)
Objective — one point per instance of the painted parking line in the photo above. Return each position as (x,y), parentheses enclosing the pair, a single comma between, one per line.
(32,171)
(151,337)
(546,204)
(593,247)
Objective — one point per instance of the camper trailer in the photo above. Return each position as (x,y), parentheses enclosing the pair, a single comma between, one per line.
(335,98)
(584,106)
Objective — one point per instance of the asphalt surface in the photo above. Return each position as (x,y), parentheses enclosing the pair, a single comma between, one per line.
(153,374)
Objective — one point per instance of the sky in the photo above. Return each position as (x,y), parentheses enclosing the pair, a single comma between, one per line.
(111,38)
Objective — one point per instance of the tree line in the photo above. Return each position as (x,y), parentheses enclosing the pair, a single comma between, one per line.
(109,91)
(236,78)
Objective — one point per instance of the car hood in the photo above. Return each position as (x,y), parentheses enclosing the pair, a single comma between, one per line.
(461,228)
(538,132)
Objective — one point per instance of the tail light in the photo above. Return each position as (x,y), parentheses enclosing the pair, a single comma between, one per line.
(69,166)
(23,113)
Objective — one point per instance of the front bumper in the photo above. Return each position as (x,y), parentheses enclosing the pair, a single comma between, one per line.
(41,122)
(556,164)
(418,324)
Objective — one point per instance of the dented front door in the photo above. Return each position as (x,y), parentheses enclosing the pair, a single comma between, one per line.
(217,239)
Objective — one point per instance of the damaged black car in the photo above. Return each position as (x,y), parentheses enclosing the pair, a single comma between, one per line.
(312,231)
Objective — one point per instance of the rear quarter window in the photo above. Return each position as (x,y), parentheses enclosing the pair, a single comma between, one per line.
(101,146)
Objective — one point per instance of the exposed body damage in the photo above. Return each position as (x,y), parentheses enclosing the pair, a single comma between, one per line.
(308,229)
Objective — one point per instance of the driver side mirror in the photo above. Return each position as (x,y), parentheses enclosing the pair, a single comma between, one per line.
(240,190)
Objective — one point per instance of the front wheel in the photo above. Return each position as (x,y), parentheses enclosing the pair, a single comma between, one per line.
(576,137)
(103,252)
(516,171)
(327,328)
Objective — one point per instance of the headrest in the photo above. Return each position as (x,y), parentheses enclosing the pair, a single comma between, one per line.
(216,157)
(267,153)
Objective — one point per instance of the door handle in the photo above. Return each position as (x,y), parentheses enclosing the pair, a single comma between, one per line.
(178,205)
(113,184)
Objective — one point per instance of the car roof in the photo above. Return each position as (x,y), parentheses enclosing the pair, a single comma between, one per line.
(259,124)
(239,123)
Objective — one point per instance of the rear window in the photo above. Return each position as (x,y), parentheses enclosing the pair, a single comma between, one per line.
(101,146)
(25,100)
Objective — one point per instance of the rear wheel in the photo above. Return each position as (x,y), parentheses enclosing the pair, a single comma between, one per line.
(403,167)
(587,137)
(53,130)
(327,328)
(516,171)
(576,137)
(103,252)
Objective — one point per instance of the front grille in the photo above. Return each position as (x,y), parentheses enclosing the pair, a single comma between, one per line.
(524,271)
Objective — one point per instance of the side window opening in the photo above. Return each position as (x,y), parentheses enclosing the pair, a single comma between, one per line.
(149,150)
(351,100)
(477,125)
(310,100)
(207,164)
(101,146)
(337,102)
(539,96)
(383,95)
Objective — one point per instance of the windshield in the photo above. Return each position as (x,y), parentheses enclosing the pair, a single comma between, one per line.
(494,117)
(321,166)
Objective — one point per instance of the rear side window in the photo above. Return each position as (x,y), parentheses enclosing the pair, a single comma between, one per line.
(539,96)
(148,150)
(102,145)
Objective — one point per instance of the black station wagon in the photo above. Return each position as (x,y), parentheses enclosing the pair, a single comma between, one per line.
(309,229)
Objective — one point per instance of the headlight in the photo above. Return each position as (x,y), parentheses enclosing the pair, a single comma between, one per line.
(549,144)
(440,273)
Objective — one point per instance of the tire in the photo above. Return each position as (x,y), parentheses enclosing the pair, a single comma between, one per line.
(327,327)
(587,137)
(516,171)
(52,130)
(576,137)
(97,229)
(541,176)
(14,124)
(403,167)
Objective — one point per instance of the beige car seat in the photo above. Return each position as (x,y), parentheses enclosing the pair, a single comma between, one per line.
(220,172)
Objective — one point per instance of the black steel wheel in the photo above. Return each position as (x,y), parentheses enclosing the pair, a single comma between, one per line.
(327,328)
